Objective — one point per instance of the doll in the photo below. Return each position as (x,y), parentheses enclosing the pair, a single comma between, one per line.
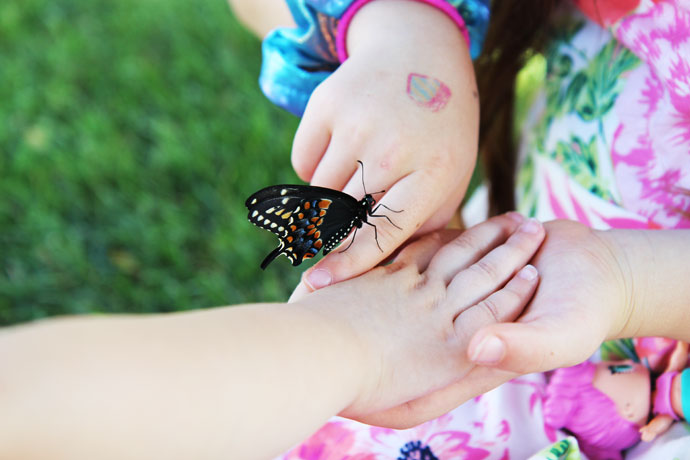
(606,405)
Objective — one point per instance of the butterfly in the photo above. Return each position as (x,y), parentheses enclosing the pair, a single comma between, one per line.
(308,219)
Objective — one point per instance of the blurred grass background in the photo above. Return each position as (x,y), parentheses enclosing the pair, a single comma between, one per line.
(130,134)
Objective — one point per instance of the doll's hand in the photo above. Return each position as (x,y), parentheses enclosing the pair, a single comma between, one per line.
(414,317)
(417,144)
(658,425)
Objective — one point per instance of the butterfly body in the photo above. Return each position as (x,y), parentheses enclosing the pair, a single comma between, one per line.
(306,219)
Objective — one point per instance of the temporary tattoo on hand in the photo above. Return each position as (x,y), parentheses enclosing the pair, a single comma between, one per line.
(427,91)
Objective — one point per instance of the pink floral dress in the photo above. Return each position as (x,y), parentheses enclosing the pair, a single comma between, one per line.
(607,143)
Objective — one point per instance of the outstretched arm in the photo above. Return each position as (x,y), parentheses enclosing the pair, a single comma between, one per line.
(250,381)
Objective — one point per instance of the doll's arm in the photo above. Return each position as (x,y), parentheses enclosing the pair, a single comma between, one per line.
(679,357)
(658,425)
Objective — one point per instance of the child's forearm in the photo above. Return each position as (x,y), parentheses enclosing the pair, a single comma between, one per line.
(262,16)
(188,385)
(656,266)
(422,32)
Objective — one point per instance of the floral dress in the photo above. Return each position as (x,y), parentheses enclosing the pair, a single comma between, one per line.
(605,141)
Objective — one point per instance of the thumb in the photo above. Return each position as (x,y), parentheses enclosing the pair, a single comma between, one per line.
(524,348)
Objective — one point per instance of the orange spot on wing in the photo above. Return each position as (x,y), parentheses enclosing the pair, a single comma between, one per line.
(322,212)
(307,205)
(300,215)
(319,222)
(317,235)
(293,227)
(324,204)
(314,219)
(311,232)
(289,239)
(318,243)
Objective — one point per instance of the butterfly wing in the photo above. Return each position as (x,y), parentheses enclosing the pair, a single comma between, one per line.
(304,218)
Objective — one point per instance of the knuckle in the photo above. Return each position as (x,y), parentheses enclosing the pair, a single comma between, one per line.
(491,309)
(485,269)
(465,242)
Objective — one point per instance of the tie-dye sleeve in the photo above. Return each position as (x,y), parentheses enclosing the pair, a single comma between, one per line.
(296,60)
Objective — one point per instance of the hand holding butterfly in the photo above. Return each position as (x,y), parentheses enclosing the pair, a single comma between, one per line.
(405,104)
(595,286)
(251,381)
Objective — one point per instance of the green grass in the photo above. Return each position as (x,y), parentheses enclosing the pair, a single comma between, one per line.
(130,134)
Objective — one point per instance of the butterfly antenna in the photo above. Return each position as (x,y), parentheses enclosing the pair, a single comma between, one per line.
(363,186)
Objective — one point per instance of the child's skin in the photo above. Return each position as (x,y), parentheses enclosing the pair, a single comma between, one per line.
(423,157)
(594,286)
(250,381)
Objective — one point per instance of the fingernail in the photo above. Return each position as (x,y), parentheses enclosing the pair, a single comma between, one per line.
(531,226)
(490,350)
(516,216)
(318,278)
(528,273)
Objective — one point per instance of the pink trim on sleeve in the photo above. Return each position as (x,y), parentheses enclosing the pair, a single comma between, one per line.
(346,19)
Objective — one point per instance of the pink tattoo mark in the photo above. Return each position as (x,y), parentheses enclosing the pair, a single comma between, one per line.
(427,91)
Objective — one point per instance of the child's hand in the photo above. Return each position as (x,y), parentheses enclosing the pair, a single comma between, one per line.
(418,146)
(414,318)
(581,301)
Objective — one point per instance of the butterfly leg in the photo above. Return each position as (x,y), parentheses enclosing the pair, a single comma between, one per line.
(376,233)
(351,241)
(383,215)
(391,210)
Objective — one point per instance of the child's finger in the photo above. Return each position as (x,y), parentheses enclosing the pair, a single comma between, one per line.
(472,244)
(376,240)
(337,167)
(418,253)
(503,305)
(537,346)
(310,143)
(490,272)
(422,251)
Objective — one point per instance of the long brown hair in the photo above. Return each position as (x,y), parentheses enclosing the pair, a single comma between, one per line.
(517,30)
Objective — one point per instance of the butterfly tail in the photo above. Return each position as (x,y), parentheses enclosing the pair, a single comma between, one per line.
(269,258)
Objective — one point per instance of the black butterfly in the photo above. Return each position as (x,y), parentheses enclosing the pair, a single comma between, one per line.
(307,218)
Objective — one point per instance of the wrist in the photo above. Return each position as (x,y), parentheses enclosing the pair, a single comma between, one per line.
(625,248)
(408,27)
(335,331)
(655,273)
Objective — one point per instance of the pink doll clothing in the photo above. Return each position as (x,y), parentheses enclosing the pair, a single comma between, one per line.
(662,399)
